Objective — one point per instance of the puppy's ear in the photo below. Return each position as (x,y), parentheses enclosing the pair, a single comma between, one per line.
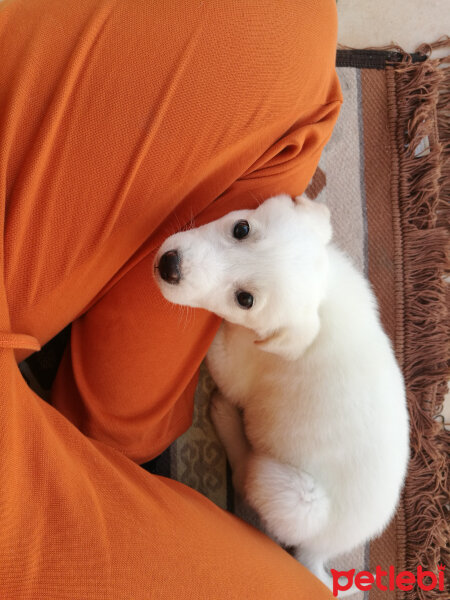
(317,215)
(291,342)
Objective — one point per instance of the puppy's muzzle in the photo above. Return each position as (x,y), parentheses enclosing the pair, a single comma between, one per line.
(169,266)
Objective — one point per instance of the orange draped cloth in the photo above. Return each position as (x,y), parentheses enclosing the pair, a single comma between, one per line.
(120,122)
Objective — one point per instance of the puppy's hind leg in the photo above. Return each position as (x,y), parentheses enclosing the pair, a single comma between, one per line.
(228,423)
(291,503)
(344,586)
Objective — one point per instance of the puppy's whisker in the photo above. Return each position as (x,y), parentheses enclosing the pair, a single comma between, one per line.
(190,224)
(185,317)
(169,230)
(192,221)
(177,219)
(182,318)
(257,199)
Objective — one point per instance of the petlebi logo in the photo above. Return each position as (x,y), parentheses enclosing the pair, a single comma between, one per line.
(388,580)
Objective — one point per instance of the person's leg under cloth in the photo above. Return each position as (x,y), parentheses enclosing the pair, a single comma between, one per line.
(121,122)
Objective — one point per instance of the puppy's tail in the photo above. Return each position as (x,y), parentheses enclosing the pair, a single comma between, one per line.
(291,504)
(294,509)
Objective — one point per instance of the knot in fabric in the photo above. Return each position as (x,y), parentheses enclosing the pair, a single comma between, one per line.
(18,341)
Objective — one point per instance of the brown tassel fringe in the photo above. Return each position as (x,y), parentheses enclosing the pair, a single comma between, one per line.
(418,98)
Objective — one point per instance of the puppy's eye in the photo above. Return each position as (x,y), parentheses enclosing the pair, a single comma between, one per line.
(245,300)
(241,230)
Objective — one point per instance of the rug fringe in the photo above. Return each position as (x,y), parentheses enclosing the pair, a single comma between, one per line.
(418,97)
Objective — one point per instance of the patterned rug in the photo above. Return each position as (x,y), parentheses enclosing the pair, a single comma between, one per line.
(385,177)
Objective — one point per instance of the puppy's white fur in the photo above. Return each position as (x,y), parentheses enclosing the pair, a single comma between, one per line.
(310,370)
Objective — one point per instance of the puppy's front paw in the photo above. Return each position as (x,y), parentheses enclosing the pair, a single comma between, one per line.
(221,410)
(227,421)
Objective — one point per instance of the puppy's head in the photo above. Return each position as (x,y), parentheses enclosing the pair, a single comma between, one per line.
(264,269)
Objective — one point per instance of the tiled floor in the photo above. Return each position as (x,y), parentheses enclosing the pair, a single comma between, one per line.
(408,23)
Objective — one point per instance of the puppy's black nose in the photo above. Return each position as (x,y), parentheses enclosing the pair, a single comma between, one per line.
(169,266)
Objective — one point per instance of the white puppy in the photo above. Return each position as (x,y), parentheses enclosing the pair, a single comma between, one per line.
(303,356)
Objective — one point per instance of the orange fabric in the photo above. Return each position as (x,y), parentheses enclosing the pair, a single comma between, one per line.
(119,123)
